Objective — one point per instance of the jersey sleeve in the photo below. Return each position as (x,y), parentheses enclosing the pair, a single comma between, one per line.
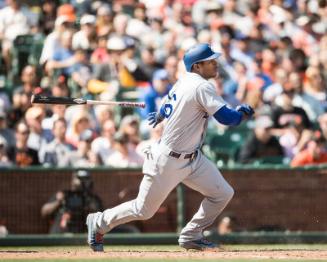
(207,97)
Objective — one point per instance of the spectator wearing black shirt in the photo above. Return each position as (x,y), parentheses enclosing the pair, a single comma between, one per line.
(261,142)
(22,155)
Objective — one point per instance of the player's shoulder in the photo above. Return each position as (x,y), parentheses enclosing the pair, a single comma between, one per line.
(192,79)
(205,85)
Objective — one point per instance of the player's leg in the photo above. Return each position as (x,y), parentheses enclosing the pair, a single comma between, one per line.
(207,180)
(153,191)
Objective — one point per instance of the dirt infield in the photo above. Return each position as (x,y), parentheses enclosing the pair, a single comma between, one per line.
(221,254)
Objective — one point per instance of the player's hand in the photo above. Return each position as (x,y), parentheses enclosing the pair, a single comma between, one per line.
(154,119)
(246,110)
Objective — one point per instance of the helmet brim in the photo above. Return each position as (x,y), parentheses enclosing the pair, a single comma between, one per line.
(214,56)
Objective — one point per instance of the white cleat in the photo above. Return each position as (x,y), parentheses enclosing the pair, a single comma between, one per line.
(94,239)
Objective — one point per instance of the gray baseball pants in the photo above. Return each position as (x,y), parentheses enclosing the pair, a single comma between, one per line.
(162,173)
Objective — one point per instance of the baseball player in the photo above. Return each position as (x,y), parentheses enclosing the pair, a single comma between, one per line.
(177,158)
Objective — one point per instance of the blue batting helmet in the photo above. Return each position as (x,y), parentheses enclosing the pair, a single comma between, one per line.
(198,53)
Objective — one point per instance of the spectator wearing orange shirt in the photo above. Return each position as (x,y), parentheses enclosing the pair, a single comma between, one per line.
(315,152)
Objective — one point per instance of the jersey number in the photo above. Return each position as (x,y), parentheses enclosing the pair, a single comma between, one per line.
(168,107)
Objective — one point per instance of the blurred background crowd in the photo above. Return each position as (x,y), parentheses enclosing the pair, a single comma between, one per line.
(274,58)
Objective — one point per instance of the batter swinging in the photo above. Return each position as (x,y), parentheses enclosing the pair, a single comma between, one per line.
(177,158)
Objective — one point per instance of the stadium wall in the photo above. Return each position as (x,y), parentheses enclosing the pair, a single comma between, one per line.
(265,199)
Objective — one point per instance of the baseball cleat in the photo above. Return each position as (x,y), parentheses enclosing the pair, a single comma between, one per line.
(94,239)
(200,244)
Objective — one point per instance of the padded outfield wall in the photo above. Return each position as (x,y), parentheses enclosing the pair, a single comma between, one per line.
(271,199)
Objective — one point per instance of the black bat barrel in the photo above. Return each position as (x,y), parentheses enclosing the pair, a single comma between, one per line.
(40,99)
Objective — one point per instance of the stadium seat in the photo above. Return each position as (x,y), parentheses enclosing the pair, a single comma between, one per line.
(26,50)
(277,160)
(20,53)
(36,50)
(223,148)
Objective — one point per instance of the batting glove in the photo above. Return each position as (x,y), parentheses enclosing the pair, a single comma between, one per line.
(245,109)
(155,118)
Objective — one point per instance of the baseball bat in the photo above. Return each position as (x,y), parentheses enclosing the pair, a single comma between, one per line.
(41,99)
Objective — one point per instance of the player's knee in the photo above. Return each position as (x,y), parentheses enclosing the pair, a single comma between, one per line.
(144,213)
(224,194)
(147,215)
(228,193)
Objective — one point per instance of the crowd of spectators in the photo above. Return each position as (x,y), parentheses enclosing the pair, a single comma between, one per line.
(274,57)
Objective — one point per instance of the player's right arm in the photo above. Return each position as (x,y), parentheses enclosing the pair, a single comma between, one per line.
(154,118)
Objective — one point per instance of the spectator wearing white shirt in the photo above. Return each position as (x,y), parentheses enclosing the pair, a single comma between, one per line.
(15,20)
(102,113)
(78,122)
(38,137)
(4,159)
(86,38)
(63,60)
(84,156)
(315,85)
(102,146)
(124,156)
(52,41)
(58,152)
(137,26)
(58,111)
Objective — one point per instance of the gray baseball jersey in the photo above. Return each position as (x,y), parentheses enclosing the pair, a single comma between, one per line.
(187,107)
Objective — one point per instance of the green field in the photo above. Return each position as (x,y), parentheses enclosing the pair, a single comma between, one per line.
(230,253)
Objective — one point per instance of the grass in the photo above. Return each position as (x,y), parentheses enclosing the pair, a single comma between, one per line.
(76,253)
(156,260)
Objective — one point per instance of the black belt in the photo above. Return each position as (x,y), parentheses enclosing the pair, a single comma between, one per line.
(186,156)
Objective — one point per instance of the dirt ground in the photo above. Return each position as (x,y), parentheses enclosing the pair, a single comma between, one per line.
(83,254)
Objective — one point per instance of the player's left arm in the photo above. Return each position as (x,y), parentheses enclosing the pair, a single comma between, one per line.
(233,117)
(217,107)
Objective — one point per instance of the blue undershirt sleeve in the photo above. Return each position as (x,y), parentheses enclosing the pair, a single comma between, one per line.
(227,116)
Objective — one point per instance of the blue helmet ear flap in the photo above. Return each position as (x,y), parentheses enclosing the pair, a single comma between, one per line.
(198,53)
